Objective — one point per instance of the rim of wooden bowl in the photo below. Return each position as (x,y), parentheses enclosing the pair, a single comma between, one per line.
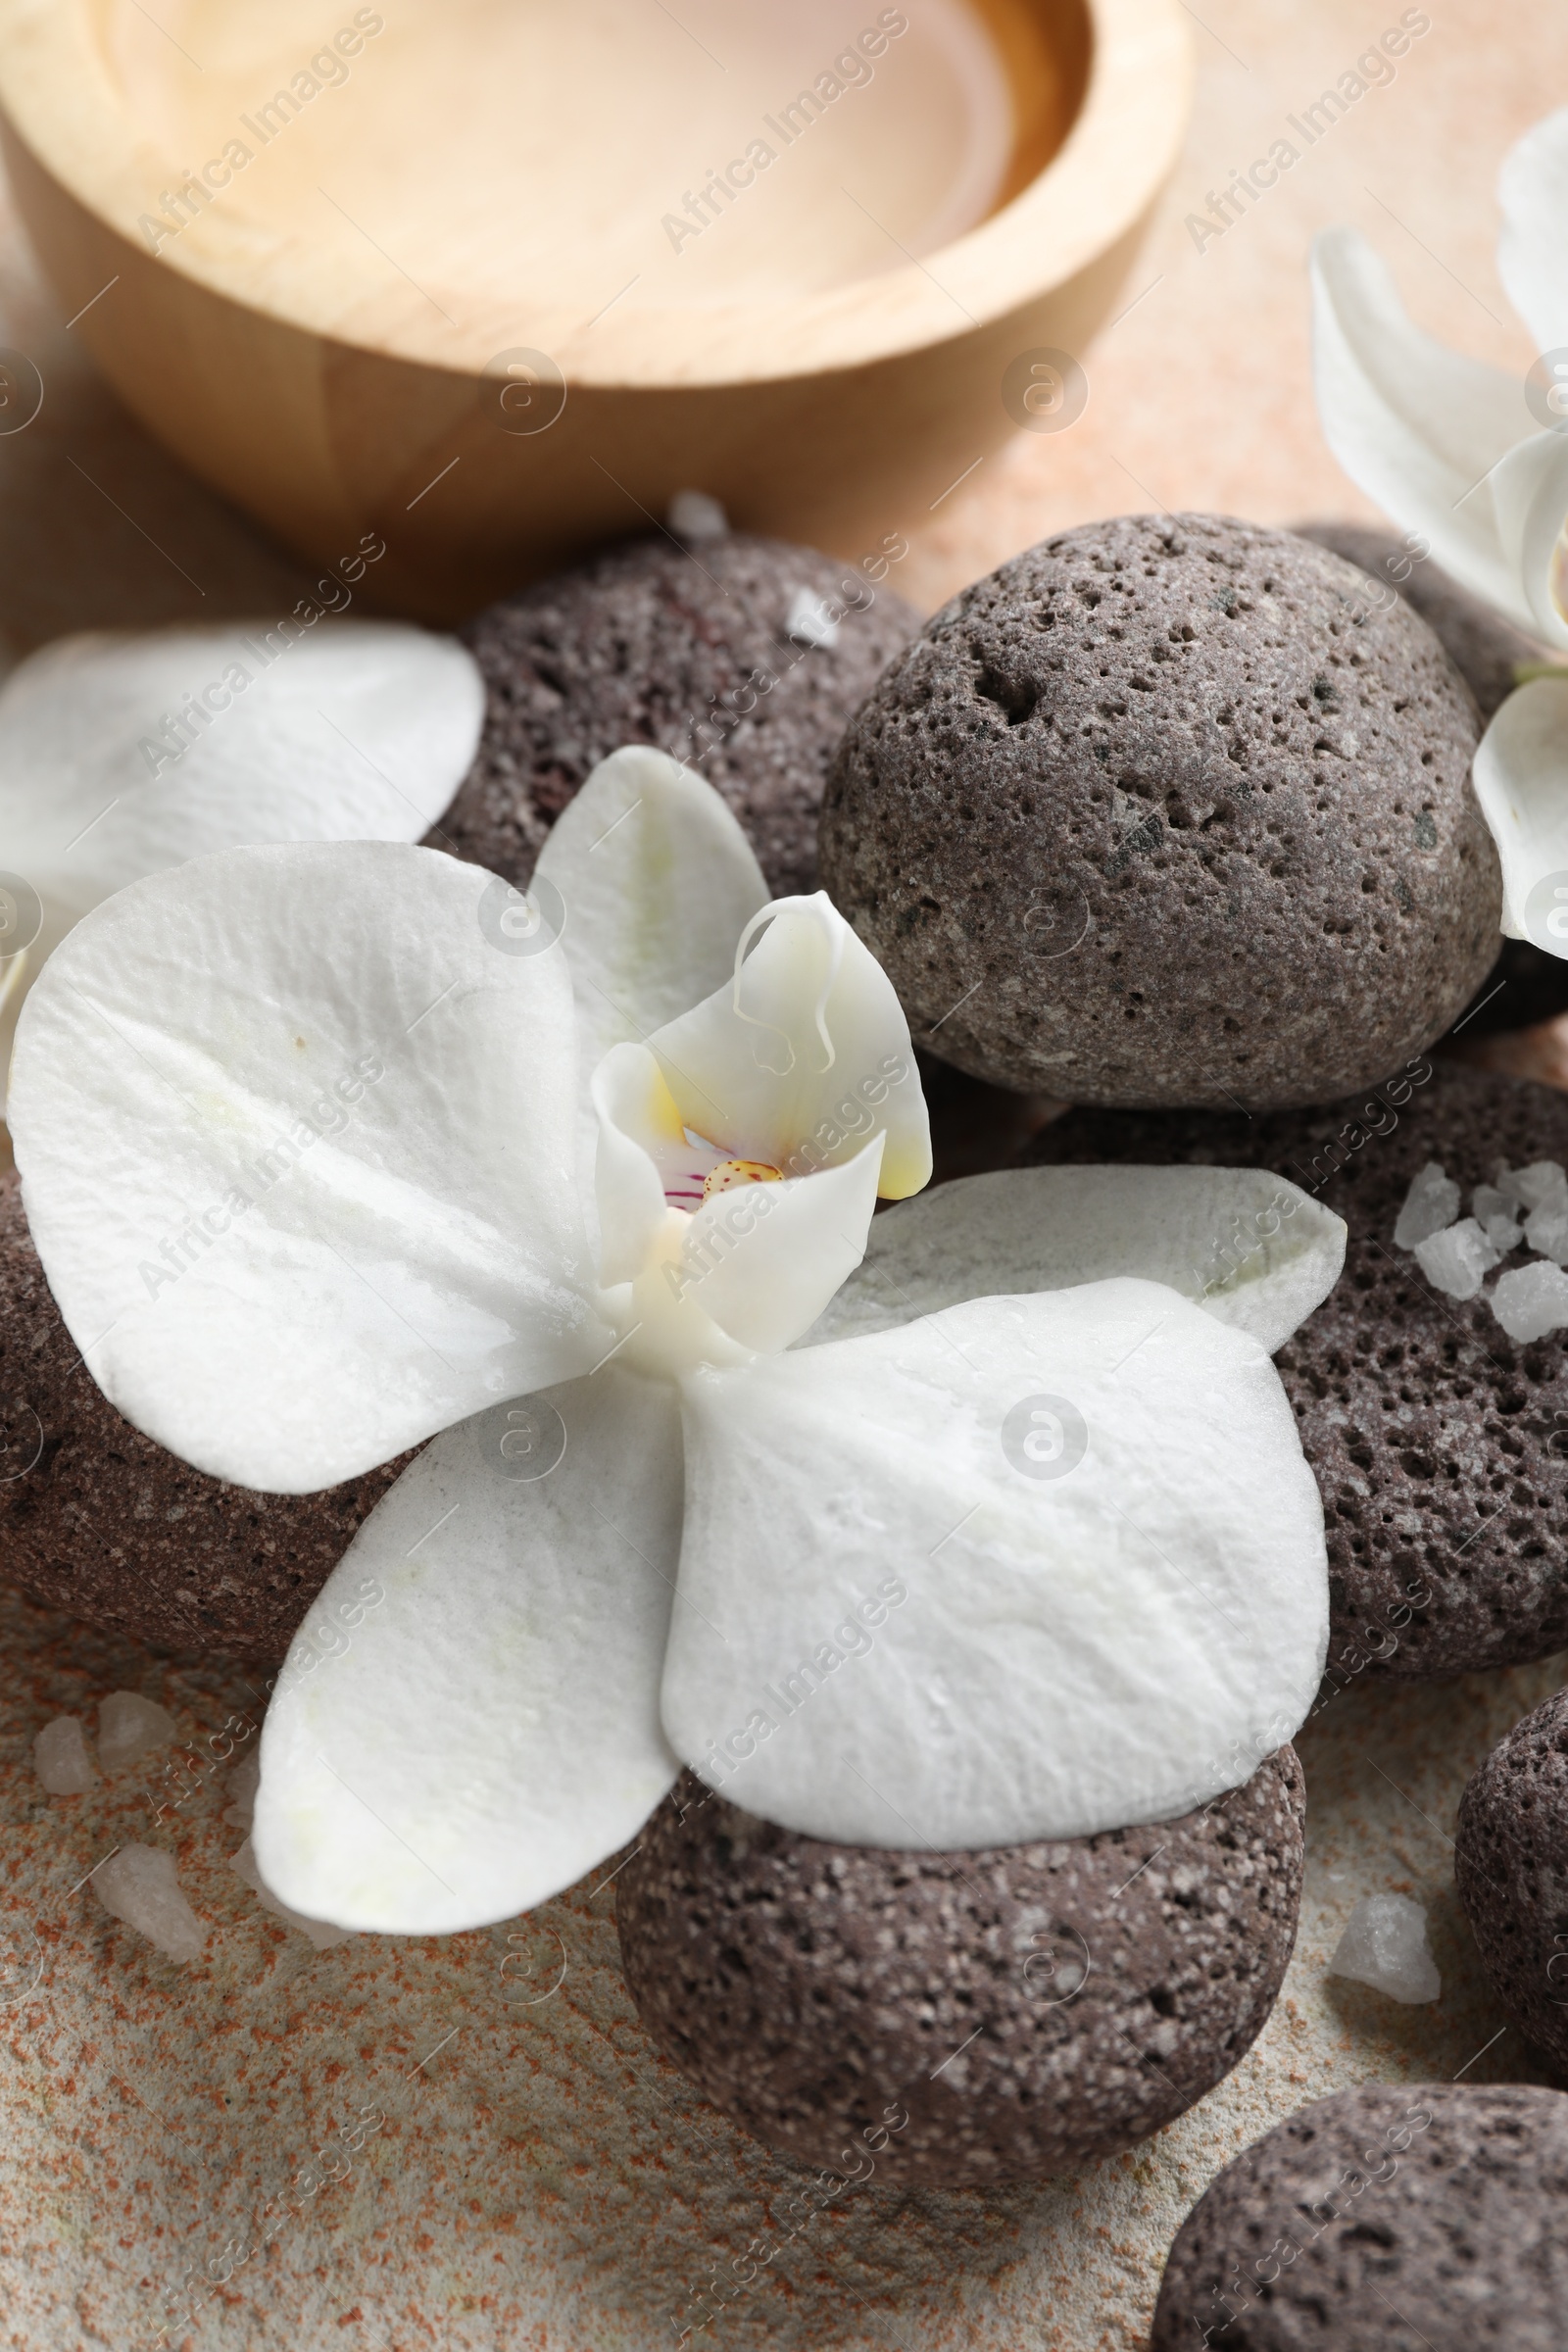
(57,93)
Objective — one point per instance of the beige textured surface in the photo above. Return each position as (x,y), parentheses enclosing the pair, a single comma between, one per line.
(541,2180)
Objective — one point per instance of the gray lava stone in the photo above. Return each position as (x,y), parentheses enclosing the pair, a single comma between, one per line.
(1020,2008)
(97,1520)
(1165,812)
(1380,2220)
(657,643)
(1483,648)
(1511,1865)
(1438,1442)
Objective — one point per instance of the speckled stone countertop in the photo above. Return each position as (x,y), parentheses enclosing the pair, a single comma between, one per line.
(527,2172)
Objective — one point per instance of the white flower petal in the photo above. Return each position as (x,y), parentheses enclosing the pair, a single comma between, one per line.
(803,1054)
(1250,1247)
(1417,426)
(1533,190)
(297,1139)
(468,1718)
(657,882)
(640,1134)
(361,732)
(1530,498)
(763,1260)
(1080,1540)
(1521,781)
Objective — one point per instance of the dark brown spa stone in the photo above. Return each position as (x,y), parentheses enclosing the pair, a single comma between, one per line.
(653,642)
(1510,1864)
(1390,2216)
(1021,2009)
(1168,812)
(101,1522)
(1440,1445)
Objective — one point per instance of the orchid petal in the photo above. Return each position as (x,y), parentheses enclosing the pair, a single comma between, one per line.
(640,1137)
(655,882)
(361,733)
(803,1054)
(1250,1247)
(762,1261)
(1418,427)
(468,1718)
(1530,498)
(1533,190)
(1521,781)
(1035,1568)
(330,1204)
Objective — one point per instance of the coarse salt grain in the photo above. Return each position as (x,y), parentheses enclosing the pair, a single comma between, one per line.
(130,1727)
(1431,1203)
(1530,1301)
(1385,1945)
(140,1885)
(1457,1260)
(61,1759)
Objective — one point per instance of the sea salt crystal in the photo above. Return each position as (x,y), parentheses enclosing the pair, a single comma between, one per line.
(1385,1945)
(695,516)
(60,1761)
(1457,1258)
(1431,1202)
(1542,1181)
(240,1789)
(139,1885)
(810,622)
(320,1933)
(1492,1211)
(130,1727)
(1546,1229)
(1530,1301)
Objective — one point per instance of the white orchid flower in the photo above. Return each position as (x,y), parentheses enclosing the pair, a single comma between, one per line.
(1476,460)
(123,755)
(1008,1535)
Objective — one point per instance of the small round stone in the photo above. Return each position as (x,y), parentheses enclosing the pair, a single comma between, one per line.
(1440,1445)
(962,2019)
(690,650)
(97,1520)
(1389,2215)
(1510,1863)
(1163,812)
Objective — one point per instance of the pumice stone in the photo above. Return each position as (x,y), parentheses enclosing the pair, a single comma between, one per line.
(1165,811)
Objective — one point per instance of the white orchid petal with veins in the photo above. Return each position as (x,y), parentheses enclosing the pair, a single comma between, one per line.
(357,731)
(1521,776)
(490,1728)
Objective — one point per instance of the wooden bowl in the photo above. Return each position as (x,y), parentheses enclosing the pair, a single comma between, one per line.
(488,279)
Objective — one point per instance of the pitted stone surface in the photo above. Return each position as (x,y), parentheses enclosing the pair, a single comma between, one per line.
(1511,1865)
(1165,811)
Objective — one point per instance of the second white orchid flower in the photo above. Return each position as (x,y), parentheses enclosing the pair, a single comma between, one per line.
(1475,459)
(984,1523)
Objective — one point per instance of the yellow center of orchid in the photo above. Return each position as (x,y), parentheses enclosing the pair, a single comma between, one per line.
(732,1172)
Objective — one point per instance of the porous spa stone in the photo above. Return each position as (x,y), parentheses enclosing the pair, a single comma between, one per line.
(1163,812)
(1440,1443)
(1510,1864)
(962,2017)
(97,1520)
(1386,2215)
(657,643)
(1524,985)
